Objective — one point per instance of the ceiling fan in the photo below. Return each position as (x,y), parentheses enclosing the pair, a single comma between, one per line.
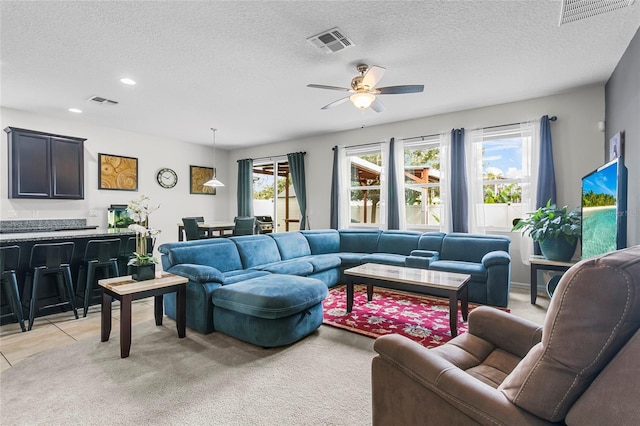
(363,90)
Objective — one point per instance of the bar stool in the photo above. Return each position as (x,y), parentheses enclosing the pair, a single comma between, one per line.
(47,259)
(98,255)
(9,261)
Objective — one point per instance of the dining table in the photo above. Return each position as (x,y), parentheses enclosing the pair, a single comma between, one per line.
(210,229)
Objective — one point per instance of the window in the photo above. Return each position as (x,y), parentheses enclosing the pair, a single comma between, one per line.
(422,182)
(501,156)
(365,184)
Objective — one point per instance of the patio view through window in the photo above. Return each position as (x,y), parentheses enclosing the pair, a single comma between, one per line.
(365,179)
(422,182)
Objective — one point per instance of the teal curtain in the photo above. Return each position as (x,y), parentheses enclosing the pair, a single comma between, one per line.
(393,215)
(459,195)
(546,175)
(296,168)
(245,187)
(335,194)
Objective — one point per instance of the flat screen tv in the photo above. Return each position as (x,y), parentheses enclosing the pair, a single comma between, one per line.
(604,209)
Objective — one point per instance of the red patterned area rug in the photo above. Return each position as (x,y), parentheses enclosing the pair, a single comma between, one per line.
(421,318)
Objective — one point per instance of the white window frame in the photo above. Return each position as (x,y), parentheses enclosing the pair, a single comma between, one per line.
(481,215)
(373,148)
(428,142)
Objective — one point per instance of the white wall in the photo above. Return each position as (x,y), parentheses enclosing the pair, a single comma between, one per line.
(153,154)
(578,148)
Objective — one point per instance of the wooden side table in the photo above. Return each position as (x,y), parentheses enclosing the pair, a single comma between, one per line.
(126,290)
(541,263)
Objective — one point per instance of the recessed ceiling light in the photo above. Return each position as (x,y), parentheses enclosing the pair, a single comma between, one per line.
(127,81)
(76,110)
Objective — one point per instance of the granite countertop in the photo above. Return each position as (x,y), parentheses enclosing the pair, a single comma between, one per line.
(62,235)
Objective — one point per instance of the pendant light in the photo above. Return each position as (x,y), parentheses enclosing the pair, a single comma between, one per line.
(214,182)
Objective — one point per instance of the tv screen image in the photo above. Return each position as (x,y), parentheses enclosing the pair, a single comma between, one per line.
(604,201)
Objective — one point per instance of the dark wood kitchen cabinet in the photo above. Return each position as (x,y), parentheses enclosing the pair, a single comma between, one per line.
(44,165)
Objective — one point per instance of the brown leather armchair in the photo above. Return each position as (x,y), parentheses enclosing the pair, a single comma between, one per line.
(582,367)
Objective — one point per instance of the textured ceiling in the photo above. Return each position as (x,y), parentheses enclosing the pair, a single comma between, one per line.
(243,67)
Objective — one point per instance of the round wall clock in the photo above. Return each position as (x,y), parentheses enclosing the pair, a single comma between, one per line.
(167,178)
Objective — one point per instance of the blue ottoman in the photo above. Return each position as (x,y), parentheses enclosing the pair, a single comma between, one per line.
(273,310)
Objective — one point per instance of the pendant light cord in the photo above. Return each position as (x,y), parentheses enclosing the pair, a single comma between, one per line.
(214,151)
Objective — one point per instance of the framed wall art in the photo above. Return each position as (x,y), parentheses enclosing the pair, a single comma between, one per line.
(200,175)
(117,172)
(616,145)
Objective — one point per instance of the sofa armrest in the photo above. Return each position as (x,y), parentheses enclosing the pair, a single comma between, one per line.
(198,273)
(406,376)
(509,332)
(497,257)
(421,258)
(432,254)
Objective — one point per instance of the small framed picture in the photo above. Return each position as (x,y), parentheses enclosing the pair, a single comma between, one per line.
(200,175)
(117,172)
(616,145)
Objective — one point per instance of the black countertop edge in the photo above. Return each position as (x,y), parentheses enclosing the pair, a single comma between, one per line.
(63,235)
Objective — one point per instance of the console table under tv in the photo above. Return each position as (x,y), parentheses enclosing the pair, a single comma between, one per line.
(541,263)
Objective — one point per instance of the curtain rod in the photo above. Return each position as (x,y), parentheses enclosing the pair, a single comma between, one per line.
(420,137)
(359,145)
(271,157)
(552,118)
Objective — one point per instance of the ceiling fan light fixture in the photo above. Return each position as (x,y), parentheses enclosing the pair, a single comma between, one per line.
(362,100)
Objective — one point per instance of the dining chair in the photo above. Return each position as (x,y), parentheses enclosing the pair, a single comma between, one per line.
(191,229)
(244,225)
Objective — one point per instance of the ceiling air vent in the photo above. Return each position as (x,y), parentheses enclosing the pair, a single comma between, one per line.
(331,41)
(575,10)
(103,101)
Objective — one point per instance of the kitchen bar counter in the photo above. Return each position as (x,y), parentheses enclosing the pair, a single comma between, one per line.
(39,236)
(26,240)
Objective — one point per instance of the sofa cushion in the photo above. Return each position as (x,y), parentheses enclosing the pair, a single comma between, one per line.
(477,271)
(256,250)
(398,242)
(359,240)
(233,277)
(323,262)
(385,259)
(471,247)
(350,259)
(431,241)
(272,296)
(290,267)
(291,244)
(322,241)
(219,253)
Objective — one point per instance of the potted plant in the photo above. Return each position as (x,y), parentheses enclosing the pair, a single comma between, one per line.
(142,265)
(556,229)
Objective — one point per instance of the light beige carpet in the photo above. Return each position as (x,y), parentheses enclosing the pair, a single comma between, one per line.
(323,379)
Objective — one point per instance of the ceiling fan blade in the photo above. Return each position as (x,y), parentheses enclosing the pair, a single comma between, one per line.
(398,90)
(322,86)
(336,103)
(373,76)
(377,105)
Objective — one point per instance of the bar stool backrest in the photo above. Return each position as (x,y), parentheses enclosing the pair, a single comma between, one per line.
(9,258)
(103,250)
(51,255)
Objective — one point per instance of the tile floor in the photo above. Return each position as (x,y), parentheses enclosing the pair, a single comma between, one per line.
(61,329)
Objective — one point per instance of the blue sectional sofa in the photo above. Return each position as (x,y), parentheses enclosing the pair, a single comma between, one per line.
(318,256)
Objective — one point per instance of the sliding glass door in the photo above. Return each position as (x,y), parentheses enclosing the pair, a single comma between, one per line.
(273,195)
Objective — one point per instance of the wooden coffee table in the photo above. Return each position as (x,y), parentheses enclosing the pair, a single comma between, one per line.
(126,290)
(414,280)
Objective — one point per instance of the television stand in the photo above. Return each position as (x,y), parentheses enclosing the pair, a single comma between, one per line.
(542,263)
